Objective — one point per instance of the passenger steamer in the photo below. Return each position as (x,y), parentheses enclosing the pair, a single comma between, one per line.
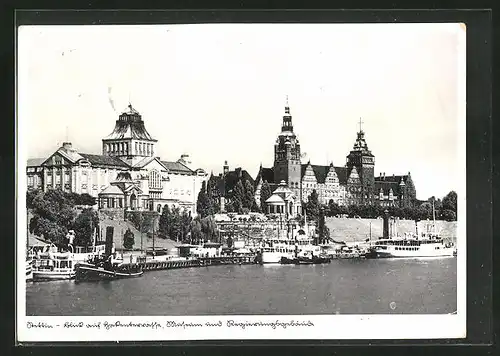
(429,244)
(296,243)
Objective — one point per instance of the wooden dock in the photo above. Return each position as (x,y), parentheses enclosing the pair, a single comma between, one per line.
(157,265)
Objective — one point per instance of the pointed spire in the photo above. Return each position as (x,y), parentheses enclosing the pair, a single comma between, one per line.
(360,123)
(287,107)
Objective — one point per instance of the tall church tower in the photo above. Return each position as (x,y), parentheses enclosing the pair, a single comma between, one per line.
(287,155)
(129,141)
(364,161)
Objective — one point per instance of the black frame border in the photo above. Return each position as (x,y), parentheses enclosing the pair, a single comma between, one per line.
(479,147)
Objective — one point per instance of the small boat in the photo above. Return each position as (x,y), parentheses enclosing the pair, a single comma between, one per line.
(89,272)
(53,266)
(314,260)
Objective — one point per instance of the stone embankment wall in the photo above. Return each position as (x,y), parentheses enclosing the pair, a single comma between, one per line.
(358,230)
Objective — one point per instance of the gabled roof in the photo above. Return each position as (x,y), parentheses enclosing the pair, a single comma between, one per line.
(101,160)
(276,199)
(177,167)
(147,160)
(111,190)
(321,172)
(35,162)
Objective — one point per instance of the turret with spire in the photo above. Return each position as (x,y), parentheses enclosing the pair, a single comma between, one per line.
(287,154)
(363,160)
(129,141)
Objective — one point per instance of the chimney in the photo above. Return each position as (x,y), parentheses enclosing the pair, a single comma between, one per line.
(226,168)
(67,146)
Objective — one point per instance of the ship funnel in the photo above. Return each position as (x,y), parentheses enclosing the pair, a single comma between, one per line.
(386,224)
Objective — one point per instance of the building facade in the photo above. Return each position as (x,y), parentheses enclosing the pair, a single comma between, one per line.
(126,175)
(352,184)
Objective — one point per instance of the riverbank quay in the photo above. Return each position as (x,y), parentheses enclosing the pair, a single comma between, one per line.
(164,264)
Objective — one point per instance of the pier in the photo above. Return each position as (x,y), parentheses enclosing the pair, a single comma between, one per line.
(157,265)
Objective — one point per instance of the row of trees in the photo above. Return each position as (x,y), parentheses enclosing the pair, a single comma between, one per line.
(54,213)
(178,225)
(240,200)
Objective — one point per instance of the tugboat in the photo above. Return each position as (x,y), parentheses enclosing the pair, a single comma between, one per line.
(106,271)
(106,267)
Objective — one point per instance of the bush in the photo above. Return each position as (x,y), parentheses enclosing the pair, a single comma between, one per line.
(128,240)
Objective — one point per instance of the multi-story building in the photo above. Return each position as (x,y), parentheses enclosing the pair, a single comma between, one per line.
(352,184)
(126,175)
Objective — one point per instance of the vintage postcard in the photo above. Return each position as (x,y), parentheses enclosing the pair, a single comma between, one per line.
(241,181)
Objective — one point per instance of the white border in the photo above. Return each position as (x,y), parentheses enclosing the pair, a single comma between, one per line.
(325,326)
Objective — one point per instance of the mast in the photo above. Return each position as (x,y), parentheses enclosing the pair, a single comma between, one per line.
(433,219)
(154,236)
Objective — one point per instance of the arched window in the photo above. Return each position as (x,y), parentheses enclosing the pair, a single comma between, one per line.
(154,179)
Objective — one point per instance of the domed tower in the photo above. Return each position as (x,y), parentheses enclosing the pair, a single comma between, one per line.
(364,161)
(287,154)
(129,141)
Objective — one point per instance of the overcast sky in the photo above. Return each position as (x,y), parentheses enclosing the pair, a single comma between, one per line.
(218,91)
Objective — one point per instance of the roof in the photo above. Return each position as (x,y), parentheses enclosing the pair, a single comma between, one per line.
(130,125)
(177,167)
(267,175)
(226,183)
(393,178)
(275,199)
(342,174)
(35,162)
(124,177)
(387,182)
(111,190)
(101,160)
(321,172)
(35,241)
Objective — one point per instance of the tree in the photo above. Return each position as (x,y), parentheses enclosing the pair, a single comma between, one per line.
(84,226)
(209,228)
(128,239)
(86,199)
(450,202)
(30,196)
(203,205)
(312,206)
(333,208)
(265,193)
(196,234)
(249,197)
(185,224)
(448,215)
(53,216)
(164,222)
(238,197)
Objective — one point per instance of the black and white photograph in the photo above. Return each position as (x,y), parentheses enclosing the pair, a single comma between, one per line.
(241,181)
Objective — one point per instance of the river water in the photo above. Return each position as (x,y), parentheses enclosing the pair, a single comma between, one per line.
(380,286)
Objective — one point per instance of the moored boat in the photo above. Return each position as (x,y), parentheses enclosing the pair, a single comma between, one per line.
(53,266)
(88,272)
